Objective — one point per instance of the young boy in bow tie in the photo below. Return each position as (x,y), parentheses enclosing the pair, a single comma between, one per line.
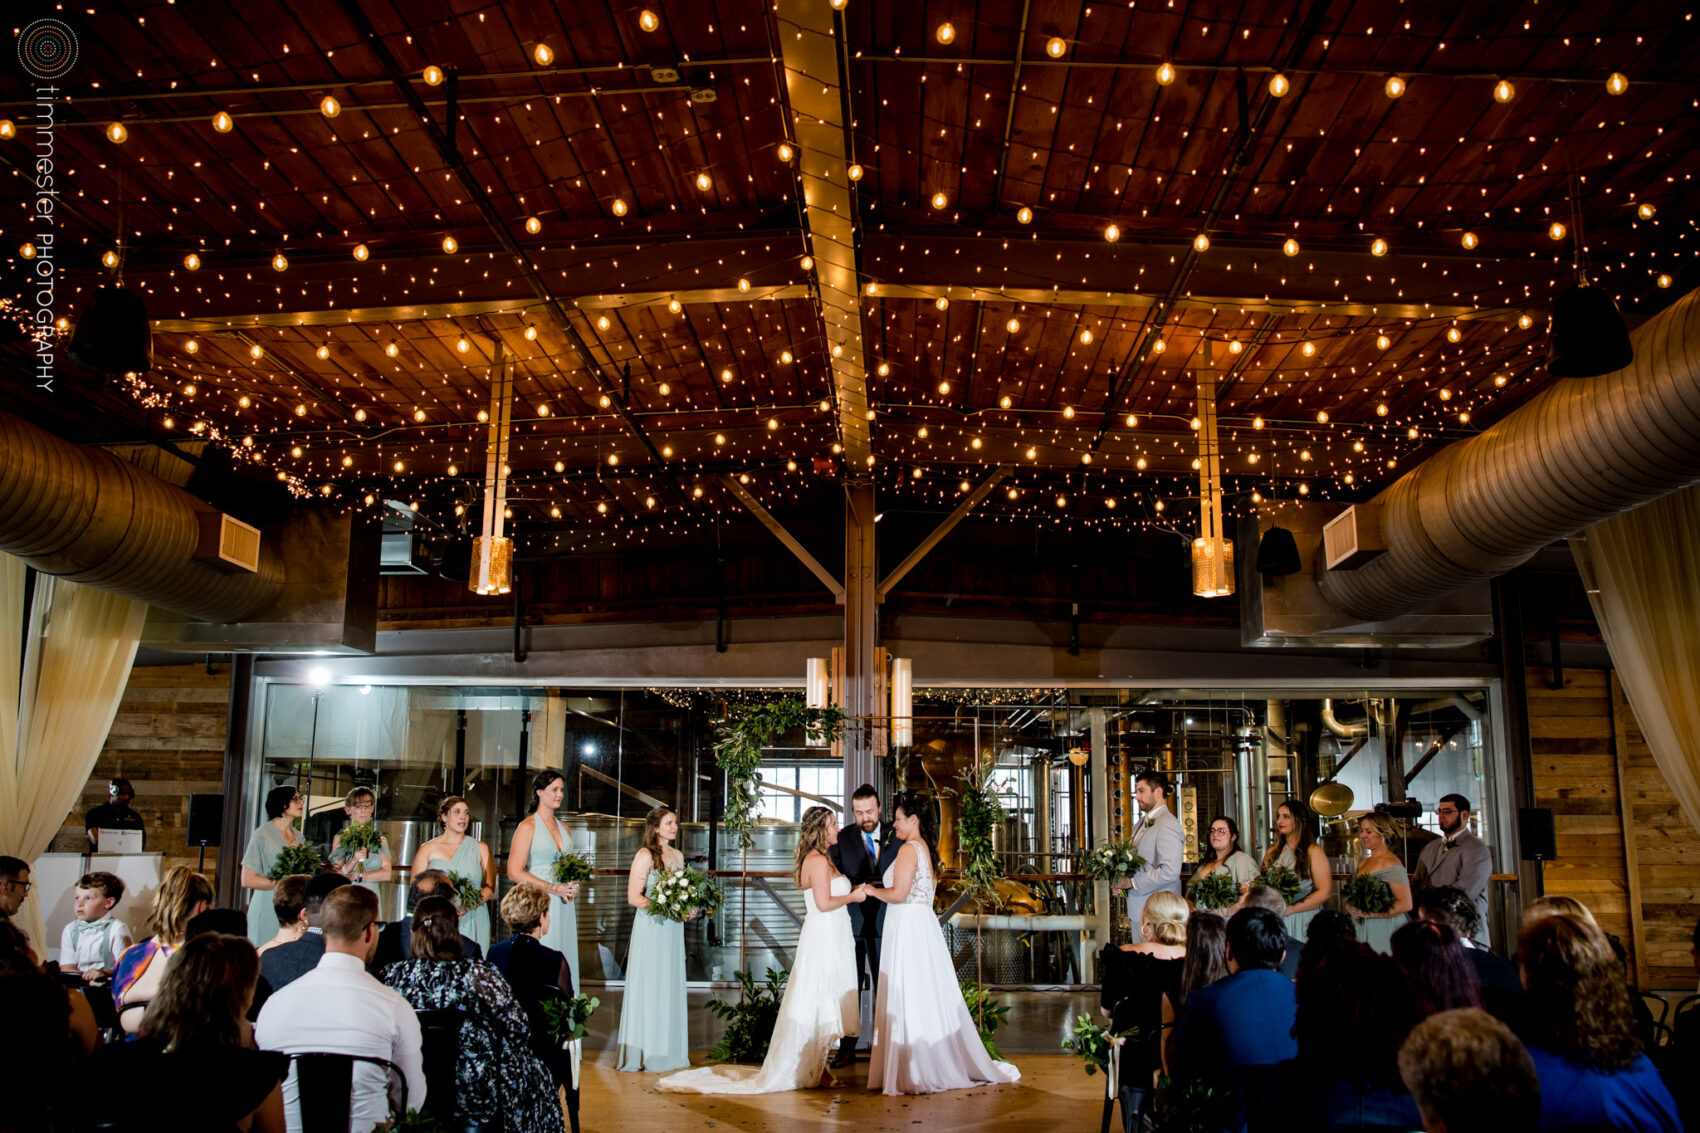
(92,943)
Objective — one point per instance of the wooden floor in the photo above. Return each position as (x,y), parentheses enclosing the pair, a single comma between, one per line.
(1054,1093)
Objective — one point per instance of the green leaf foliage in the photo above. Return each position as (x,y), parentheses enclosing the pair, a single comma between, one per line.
(569,1019)
(1283,880)
(748,730)
(749,1022)
(981,813)
(291,860)
(988,1013)
(1215,890)
(469,892)
(1091,1041)
(1367,894)
(1112,861)
(569,868)
(357,836)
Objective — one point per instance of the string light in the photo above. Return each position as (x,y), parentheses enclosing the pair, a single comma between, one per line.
(1013,326)
(1395,87)
(1290,247)
(280,262)
(1056,47)
(323,352)
(1664,280)
(1278,85)
(192,262)
(1378,248)
(854,173)
(1201,243)
(785,152)
(1557,231)
(648,20)
(807,263)
(329,107)
(1617,82)
(433,76)
(704,181)
(533,225)
(1453,334)
(1503,91)
(1382,342)
(1524,322)
(8,129)
(946,32)
(1645,211)
(1024,215)
(940,200)
(109,259)
(1165,73)
(1468,240)
(256,351)
(223,122)
(450,245)
(117,134)
(544,54)
(1086,336)
(1112,234)
(361,252)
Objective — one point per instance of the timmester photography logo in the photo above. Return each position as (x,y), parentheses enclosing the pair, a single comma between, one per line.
(47,50)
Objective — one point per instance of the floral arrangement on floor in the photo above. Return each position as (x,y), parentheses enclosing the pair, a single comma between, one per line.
(570,868)
(569,1019)
(1215,890)
(987,1012)
(291,860)
(1091,1040)
(1367,894)
(469,892)
(1283,880)
(750,1021)
(1112,861)
(681,892)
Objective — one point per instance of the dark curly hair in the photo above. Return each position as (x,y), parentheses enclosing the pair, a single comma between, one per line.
(1440,971)
(1355,1007)
(925,809)
(1578,1002)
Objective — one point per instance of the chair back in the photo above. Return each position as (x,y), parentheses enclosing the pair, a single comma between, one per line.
(324,1084)
(1685,1024)
(439,1048)
(105,1011)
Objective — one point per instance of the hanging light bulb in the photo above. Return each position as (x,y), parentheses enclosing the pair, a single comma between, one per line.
(1056,47)
(533,225)
(256,351)
(223,122)
(1086,336)
(108,258)
(1013,326)
(785,152)
(329,107)
(1165,73)
(648,20)
(1278,85)
(361,252)
(192,262)
(531,334)
(1290,247)
(280,262)
(1112,234)
(675,306)
(1468,240)
(704,181)
(450,245)
(1308,350)
(1524,322)
(1617,83)
(8,129)
(1645,211)
(743,285)
(854,173)
(1024,215)
(1664,280)
(940,200)
(1201,243)
(117,134)
(1382,342)
(1503,91)
(1453,334)
(807,263)
(433,76)
(1395,87)
(392,350)
(1378,247)
(946,32)
(942,303)
(544,54)
(462,345)
(1159,346)
(1557,231)
(193,346)
(1381,410)
(323,352)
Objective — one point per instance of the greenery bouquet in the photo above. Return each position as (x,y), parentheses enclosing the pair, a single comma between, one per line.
(1112,861)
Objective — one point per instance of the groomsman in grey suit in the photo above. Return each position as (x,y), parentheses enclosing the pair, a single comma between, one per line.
(1158,840)
(1458,858)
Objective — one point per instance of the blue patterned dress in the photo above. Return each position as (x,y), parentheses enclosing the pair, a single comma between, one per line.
(653,1031)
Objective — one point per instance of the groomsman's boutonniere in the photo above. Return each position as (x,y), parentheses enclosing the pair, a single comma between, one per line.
(1150,822)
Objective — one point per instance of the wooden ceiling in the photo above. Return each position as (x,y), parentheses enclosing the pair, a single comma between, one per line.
(992,165)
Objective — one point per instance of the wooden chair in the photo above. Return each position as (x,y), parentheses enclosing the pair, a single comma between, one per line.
(440,1038)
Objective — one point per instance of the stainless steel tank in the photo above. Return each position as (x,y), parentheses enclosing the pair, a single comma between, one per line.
(405,838)
(768,935)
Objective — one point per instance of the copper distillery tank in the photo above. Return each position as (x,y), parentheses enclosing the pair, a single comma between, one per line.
(943,760)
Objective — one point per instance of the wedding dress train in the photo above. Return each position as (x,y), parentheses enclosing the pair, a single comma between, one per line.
(819,1008)
(924,1039)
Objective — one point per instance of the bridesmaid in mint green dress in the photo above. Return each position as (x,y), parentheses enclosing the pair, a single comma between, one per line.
(284,807)
(653,1031)
(1375,831)
(1295,841)
(537,841)
(458,852)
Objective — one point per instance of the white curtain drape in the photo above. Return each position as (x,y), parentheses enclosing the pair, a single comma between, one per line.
(57,701)
(1642,571)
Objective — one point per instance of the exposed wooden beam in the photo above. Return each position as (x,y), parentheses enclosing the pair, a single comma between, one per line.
(784,536)
(944,528)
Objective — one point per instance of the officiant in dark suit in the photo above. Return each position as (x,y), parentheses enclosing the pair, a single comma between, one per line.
(865,850)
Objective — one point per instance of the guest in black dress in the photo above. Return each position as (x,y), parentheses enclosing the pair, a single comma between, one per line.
(1135,980)
(196,1044)
(499,1082)
(534,971)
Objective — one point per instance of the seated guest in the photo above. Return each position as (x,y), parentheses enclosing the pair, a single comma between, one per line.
(1501,985)
(182,895)
(1469,1074)
(196,1045)
(1438,966)
(43,1059)
(1239,1027)
(1136,979)
(498,1081)
(1205,963)
(82,1030)
(1355,1006)
(395,942)
(289,902)
(93,941)
(1580,1030)
(338,1008)
(287,963)
(230,922)
(533,970)
(14,887)
(1557,904)
(1267,897)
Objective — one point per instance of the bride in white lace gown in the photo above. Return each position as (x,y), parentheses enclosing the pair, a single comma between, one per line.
(821,1004)
(924,1038)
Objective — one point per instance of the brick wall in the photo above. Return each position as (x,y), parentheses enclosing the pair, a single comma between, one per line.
(168,740)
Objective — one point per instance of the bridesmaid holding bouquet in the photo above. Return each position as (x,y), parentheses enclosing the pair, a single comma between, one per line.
(538,841)
(456,851)
(652,1017)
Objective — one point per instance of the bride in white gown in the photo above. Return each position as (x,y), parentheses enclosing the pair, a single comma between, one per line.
(821,1004)
(924,1038)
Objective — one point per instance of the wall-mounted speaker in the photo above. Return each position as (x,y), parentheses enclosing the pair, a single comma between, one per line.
(1536,833)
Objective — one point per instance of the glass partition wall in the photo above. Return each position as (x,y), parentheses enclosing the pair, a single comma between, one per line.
(1063,764)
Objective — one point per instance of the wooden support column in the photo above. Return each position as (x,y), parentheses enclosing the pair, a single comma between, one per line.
(856,677)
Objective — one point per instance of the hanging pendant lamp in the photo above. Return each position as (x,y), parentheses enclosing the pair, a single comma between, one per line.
(1588,336)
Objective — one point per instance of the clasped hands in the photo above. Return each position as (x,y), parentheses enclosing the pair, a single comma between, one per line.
(861,893)
(567,890)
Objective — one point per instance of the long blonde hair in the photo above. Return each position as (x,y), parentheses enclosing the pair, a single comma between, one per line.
(811,836)
(1384,825)
(174,903)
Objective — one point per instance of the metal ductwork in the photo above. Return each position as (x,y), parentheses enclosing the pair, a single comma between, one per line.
(83,514)
(1582,451)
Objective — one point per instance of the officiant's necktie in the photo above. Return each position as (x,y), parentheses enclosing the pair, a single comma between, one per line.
(873,854)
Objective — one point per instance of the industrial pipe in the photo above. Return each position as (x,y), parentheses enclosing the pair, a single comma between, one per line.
(85,515)
(1584,450)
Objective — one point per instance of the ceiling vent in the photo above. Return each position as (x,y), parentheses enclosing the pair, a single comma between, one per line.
(664,74)
(1353,538)
(227,544)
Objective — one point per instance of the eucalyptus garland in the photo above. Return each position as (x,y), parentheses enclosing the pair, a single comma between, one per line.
(1216,890)
(746,732)
(292,860)
(1367,893)
(981,813)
